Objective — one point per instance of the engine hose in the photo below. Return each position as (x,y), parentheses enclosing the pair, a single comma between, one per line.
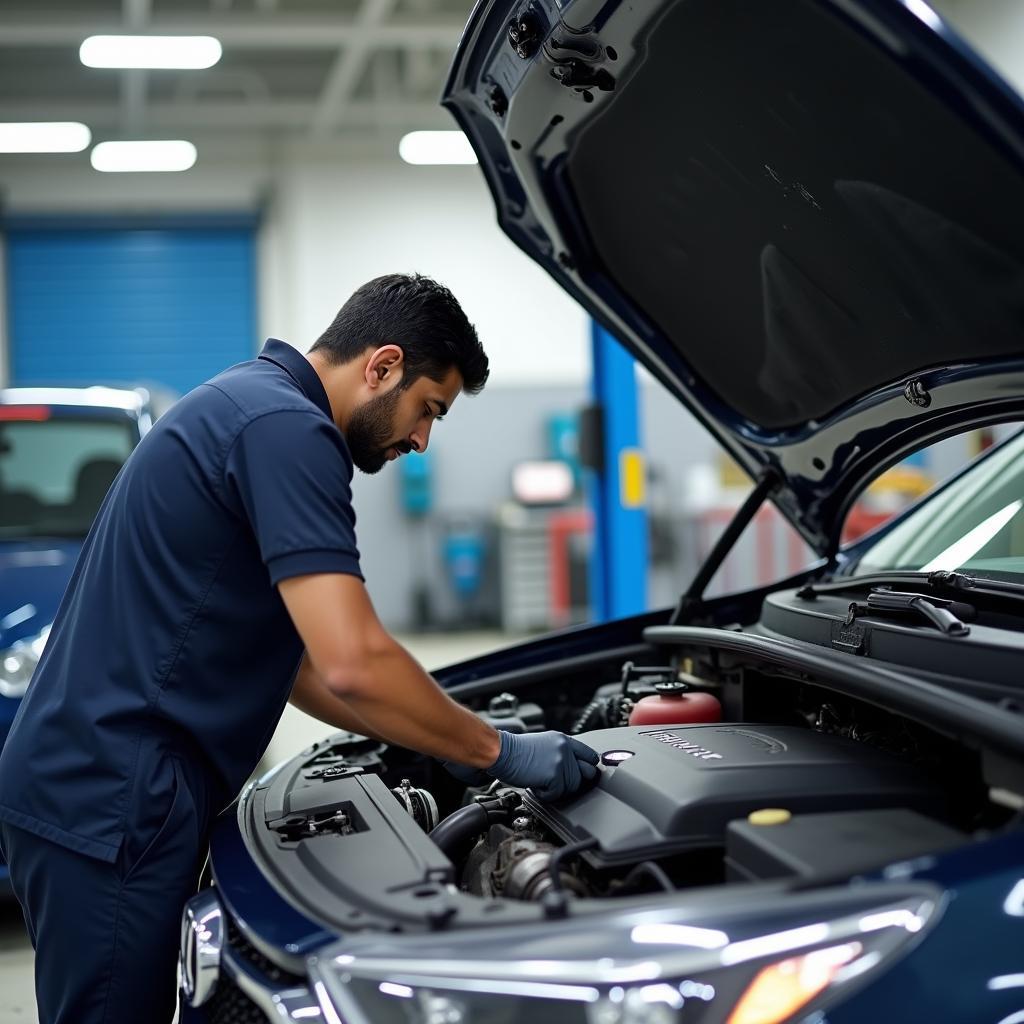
(461,827)
(593,716)
(554,900)
(651,870)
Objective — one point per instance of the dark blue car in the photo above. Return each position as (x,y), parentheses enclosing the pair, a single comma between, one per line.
(807,220)
(60,449)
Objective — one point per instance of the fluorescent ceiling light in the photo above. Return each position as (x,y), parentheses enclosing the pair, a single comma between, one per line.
(436,148)
(184,52)
(166,155)
(43,137)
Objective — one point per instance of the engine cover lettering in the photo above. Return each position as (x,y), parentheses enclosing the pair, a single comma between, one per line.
(693,749)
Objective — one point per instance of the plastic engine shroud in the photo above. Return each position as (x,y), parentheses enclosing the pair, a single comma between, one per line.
(683,784)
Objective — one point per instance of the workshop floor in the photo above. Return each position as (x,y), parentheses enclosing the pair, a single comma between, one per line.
(17,1001)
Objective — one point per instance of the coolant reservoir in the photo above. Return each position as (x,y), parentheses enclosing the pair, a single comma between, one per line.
(675,704)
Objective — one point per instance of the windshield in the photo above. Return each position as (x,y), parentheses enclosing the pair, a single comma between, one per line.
(974,524)
(54,473)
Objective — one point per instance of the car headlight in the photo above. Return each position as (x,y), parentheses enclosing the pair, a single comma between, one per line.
(691,975)
(18,662)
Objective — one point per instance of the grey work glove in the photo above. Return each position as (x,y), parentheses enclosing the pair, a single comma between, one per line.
(468,776)
(550,763)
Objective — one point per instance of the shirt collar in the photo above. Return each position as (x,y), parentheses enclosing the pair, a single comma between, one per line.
(300,369)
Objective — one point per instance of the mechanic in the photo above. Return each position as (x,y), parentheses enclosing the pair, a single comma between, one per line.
(221,578)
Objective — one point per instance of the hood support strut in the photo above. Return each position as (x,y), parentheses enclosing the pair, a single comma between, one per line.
(767,483)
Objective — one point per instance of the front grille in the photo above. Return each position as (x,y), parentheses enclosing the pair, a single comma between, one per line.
(278,976)
(230,1005)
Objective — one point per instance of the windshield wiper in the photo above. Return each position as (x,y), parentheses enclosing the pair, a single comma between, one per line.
(941,581)
(947,616)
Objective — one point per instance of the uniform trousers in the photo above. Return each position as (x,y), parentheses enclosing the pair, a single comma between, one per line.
(106,935)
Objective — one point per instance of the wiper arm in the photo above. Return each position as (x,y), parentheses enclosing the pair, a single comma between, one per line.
(961,581)
(940,580)
(945,615)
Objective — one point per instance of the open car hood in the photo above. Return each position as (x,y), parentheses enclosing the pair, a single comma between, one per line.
(806,219)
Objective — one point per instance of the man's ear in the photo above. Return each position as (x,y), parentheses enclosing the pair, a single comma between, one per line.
(384,366)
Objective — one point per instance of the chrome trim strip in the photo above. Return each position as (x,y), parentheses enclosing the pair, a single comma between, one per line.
(202,945)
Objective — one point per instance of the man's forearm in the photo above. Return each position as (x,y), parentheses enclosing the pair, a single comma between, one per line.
(310,694)
(401,702)
(378,688)
(409,709)
(361,664)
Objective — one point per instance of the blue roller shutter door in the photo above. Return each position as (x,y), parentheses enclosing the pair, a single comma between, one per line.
(172,306)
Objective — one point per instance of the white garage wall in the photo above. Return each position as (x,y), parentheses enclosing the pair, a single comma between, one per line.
(336,225)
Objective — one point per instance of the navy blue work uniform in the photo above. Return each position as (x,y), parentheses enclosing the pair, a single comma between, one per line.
(167,668)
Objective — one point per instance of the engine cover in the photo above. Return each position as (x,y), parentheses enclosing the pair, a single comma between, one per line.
(664,790)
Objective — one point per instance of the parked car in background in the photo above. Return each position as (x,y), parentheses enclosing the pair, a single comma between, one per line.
(60,449)
(807,221)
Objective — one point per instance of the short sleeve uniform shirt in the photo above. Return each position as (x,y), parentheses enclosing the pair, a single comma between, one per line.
(172,641)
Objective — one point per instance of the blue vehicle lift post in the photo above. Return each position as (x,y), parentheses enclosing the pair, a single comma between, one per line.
(616,484)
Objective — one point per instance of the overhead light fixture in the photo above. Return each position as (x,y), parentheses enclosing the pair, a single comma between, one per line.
(43,137)
(436,148)
(164,155)
(180,52)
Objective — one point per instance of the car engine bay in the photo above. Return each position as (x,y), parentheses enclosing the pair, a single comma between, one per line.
(798,784)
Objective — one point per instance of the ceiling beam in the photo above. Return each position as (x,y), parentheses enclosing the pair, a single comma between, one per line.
(241,30)
(136,13)
(134,81)
(348,67)
(132,108)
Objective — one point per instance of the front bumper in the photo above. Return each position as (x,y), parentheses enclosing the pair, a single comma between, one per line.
(226,980)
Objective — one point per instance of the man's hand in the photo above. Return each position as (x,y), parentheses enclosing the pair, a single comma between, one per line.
(552,764)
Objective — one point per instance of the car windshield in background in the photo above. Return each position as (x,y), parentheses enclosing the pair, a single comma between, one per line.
(55,472)
(975,524)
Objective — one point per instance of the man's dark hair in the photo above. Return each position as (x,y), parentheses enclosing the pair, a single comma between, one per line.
(417,314)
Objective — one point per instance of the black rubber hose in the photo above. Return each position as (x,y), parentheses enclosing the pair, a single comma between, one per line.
(563,853)
(554,900)
(459,829)
(593,716)
(651,870)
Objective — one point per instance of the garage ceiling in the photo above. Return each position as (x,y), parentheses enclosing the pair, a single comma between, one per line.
(318,69)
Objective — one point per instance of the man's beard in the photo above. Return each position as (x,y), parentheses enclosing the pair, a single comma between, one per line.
(370,430)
